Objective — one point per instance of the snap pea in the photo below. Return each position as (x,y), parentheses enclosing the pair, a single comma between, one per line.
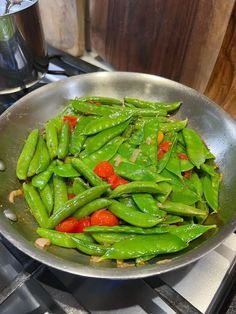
(40,180)
(27,154)
(136,187)
(171,219)
(89,247)
(104,153)
(92,178)
(61,238)
(66,171)
(134,172)
(75,203)
(34,163)
(44,158)
(64,141)
(47,198)
(105,123)
(106,238)
(211,190)
(147,204)
(133,217)
(79,186)
(102,100)
(36,205)
(175,126)
(166,190)
(60,192)
(51,139)
(95,142)
(88,108)
(77,139)
(143,245)
(164,160)
(181,209)
(150,140)
(91,207)
(184,196)
(171,106)
(196,149)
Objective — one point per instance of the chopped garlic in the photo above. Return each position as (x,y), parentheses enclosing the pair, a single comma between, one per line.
(42,243)
(14,194)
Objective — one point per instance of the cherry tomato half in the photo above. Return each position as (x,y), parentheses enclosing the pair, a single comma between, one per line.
(67,225)
(104,169)
(82,224)
(104,217)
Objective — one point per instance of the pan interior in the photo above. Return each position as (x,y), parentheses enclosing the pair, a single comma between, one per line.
(213,124)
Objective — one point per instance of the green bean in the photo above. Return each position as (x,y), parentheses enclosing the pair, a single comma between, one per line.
(136,187)
(95,142)
(133,217)
(181,209)
(75,203)
(92,178)
(63,146)
(26,155)
(60,192)
(36,205)
(40,180)
(51,139)
(196,149)
(105,123)
(91,207)
(143,245)
(105,153)
(89,247)
(61,238)
(47,198)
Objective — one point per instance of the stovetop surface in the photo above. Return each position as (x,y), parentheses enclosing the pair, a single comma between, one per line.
(27,286)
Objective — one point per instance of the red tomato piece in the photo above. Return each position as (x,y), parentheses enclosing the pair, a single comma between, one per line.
(104,217)
(72,120)
(160,154)
(187,174)
(165,146)
(116,180)
(82,224)
(71,195)
(67,225)
(183,156)
(104,169)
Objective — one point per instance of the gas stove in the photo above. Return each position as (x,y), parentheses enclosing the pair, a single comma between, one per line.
(27,286)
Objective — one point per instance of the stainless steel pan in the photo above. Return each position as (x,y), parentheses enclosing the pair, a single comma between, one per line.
(216,127)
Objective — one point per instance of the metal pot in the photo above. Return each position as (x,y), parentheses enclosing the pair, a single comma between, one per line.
(215,126)
(23,54)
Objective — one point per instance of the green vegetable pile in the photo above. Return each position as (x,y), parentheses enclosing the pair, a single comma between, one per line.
(170,180)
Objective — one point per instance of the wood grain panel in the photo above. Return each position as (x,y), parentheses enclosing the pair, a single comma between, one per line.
(222,85)
(179,40)
(63,24)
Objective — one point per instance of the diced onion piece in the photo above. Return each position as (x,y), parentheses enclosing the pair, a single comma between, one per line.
(118,160)
(135,154)
(148,140)
(14,194)
(42,243)
(95,259)
(121,264)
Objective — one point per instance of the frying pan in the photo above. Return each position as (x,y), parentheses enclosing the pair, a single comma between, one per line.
(214,125)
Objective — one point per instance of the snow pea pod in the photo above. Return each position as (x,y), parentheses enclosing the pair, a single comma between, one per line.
(64,141)
(129,202)
(195,184)
(133,216)
(105,153)
(211,190)
(92,178)
(95,142)
(89,247)
(142,259)
(150,140)
(51,139)
(196,149)
(75,203)
(91,207)
(66,171)
(175,126)
(105,123)
(184,196)
(164,160)
(147,204)
(40,180)
(126,150)
(77,139)
(88,108)
(171,219)
(27,154)
(137,172)
(107,238)
(60,192)
(169,106)
(143,245)
(79,186)
(44,158)
(166,190)
(173,164)
(136,187)
(137,137)
(36,205)
(181,209)
(47,198)
(34,163)
(61,238)
(189,232)
(209,169)
(101,100)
